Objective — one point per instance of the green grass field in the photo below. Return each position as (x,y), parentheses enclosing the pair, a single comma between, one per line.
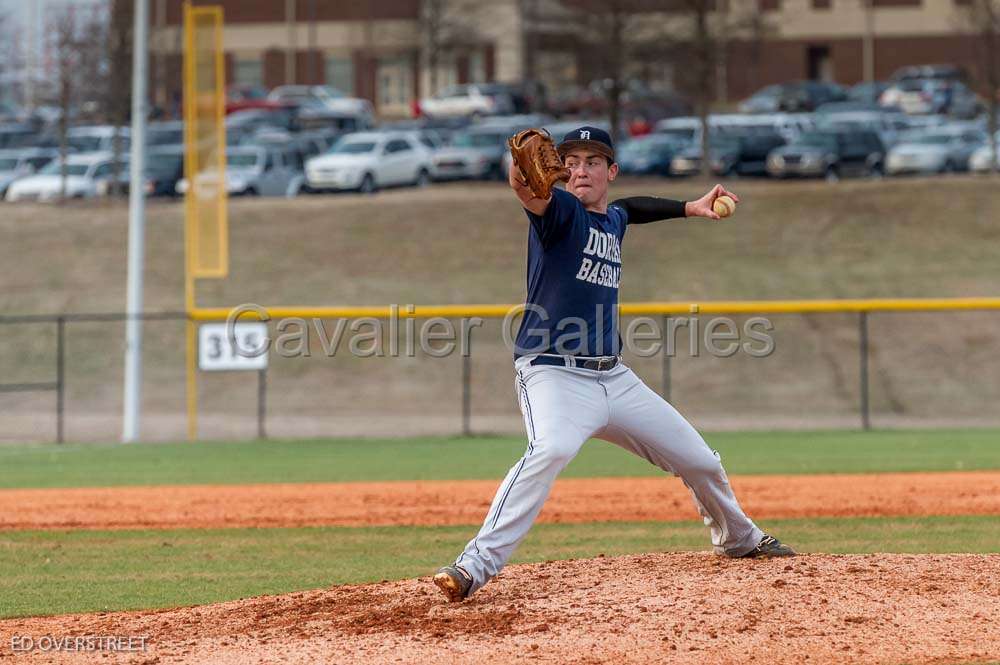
(344,460)
(52,572)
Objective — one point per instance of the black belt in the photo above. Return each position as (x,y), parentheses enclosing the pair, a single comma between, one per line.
(599,363)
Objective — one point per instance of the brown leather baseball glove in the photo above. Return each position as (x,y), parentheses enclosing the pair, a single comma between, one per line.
(535,155)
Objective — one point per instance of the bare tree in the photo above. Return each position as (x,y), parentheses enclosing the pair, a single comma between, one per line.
(703,70)
(984,18)
(606,23)
(713,26)
(77,43)
(608,31)
(9,56)
(689,37)
(116,100)
(448,28)
(63,30)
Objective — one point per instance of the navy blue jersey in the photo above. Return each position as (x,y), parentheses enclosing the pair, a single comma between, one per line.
(574,267)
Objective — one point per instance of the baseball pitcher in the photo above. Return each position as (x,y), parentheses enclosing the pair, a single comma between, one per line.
(570,380)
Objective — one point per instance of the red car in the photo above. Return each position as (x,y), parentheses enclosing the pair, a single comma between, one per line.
(243,97)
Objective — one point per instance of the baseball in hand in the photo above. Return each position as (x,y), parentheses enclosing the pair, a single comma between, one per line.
(724,206)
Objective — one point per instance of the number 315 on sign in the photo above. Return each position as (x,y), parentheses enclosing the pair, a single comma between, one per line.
(216,353)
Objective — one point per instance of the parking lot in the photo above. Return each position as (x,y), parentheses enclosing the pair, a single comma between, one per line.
(309,140)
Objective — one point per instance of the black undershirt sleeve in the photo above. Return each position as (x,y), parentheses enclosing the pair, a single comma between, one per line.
(646,209)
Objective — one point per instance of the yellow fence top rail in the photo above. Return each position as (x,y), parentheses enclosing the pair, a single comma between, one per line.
(626,309)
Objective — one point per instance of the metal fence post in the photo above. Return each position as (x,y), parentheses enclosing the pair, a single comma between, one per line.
(261,403)
(60,377)
(466,394)
(666,362)
(863,350)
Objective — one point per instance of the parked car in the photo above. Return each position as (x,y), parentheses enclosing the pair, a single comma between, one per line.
(961,102)
(636,99)
(87,176)
(170,132)
(255,171)
(98,138)
(244,97)
(252,120)
(889,126)
(792,97)
(730,154)
(829,154)
(366,161)
(932,72)
(983,158)
(439,130)
(788,125)
(853,105)
(331,100)
(944,150)
(17,135)
(164,170)
(648,155)
(17,164)
(319,118)
(471,99)
(687,161)
(933,96)
(686,129)
(10,113)
(746,154)
(867,92)
(306,144)
(524,97)
(476,153)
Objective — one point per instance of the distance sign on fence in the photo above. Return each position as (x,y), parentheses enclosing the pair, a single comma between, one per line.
(216,351)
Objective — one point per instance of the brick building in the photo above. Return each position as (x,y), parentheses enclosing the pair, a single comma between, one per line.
(377,49)
(826,39)
(382,49)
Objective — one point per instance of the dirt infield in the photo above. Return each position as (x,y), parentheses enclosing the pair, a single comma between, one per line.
(652,608)
(466,502)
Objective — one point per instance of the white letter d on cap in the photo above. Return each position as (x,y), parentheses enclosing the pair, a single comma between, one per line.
(584,134)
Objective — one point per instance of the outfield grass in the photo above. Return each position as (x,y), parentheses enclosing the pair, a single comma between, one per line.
(342,460)
(47,572)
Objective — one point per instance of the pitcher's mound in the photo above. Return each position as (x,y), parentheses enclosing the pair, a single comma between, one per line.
(652,608)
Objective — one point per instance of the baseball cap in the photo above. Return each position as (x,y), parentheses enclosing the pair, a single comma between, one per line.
(592,138)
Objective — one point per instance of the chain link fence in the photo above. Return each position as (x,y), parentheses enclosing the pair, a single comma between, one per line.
(62,378)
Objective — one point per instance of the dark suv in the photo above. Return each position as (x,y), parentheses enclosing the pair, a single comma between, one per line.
(745,154)
(829,154)
(795,96)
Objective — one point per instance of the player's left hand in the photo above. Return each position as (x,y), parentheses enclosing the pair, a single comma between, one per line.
(703,207)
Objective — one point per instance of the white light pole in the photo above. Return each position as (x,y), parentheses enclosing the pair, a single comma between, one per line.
(136,226)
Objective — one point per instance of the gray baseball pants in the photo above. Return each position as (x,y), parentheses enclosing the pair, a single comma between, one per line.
(565,406)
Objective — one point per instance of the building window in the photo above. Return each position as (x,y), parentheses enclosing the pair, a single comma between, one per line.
(821,4)
(477,67)
(248,72)
(819,63)
(447,72)
(395,87)
(340,73)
